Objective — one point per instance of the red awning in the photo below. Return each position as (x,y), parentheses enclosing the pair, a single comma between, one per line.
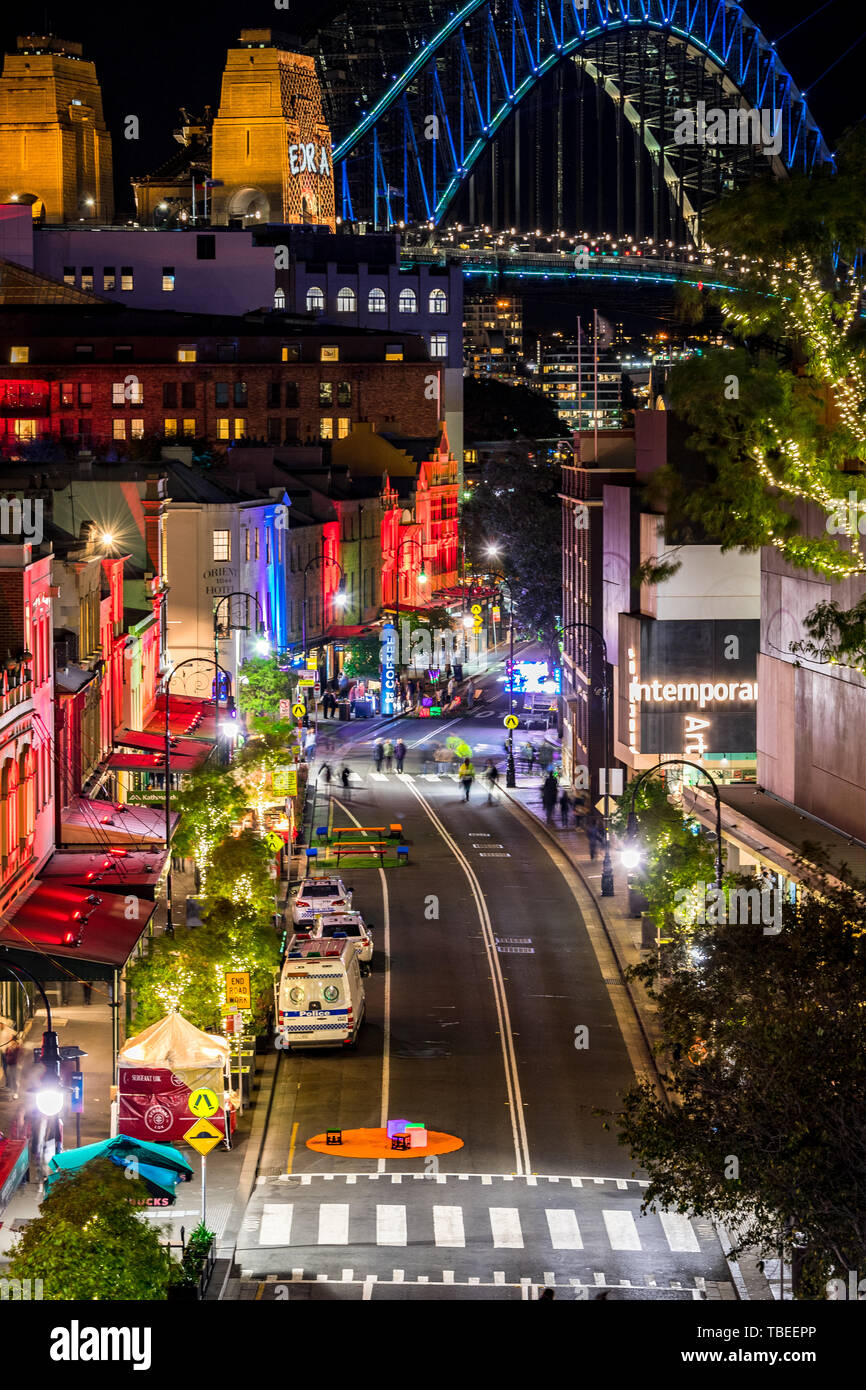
(117,870)
(351,630)
(102,823)
(186,715)
(155,762)
(44,921)
(155,743)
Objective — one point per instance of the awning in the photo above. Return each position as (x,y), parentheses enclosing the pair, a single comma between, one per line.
(89,822)
(159,1166)
(116,869)
(155,743)
(155,762)
(186,715)
(351,630)
(53,921)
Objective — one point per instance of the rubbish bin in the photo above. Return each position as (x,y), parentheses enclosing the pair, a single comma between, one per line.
(343,710)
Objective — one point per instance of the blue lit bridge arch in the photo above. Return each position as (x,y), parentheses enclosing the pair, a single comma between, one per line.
(523,111)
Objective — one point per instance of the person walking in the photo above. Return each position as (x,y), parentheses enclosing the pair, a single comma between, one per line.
(389,754)
(345,779)
(549,796)
(443,759)
(466,773)
(564,803)
(325,772)
(399,753)
(378,754)
(491,777)
(545,756)
(12,1057)
(593,836)
(529,755)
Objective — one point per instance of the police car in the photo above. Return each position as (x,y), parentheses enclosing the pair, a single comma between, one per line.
(350,925)
(319,895)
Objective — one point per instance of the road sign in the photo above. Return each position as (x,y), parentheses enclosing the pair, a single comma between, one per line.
(285,708)
(203,1136)
(599,805)
(77,1098)
(511,721)
(306,682)
(299,710)
(475,610)
(284,781)
(238,989)
(312,663)
(495,611)
(203,1102)
(274,841)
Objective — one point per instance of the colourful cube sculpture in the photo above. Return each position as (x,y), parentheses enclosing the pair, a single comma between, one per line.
(417,1136)
(396,1127)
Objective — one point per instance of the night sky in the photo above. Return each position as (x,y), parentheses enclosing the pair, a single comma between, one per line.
(155,57)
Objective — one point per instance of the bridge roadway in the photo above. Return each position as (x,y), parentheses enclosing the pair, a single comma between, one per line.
(560,265)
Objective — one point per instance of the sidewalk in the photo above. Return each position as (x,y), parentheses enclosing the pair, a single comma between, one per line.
(623,934)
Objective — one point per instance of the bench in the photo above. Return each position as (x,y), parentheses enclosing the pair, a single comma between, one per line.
(362,847)
(359,830)
(402,854)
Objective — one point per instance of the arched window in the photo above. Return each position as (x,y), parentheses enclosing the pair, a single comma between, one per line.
(347,301)
(26,808)
(408,302)
(376,302)
(438,302)
(315,300)
(279,299)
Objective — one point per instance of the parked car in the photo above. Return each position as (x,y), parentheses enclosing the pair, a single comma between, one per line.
(353,926)
(319,895)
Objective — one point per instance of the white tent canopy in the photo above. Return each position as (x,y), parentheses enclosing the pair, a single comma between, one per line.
(176,1043)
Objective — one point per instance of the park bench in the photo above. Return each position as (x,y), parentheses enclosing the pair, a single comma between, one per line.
(362,847)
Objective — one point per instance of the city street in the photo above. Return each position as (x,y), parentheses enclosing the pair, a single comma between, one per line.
(483,970)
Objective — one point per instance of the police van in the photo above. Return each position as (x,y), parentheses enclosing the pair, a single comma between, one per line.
(320,999)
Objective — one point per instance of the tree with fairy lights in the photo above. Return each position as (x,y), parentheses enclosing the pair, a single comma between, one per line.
(271,746)
(210,804)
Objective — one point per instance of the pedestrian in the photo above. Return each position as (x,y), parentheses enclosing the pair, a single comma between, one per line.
(12,1056)
(378,754)
(592,835)
(451,688)
(529,755)
(389,754)
(546,1295)
(466,774)
(545,756)
(88,990)
(549,796)
(345,778)
(491,777)
(399,753)
(443,759)
(325,771)
(564,803)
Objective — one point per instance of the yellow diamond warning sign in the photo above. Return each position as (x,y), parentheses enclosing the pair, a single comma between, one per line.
(203,1136)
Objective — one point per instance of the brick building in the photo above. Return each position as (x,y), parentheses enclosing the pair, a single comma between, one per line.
(104,377)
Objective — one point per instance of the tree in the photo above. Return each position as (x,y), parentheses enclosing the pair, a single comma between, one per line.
(765,1123)
(262,684)
(495,410)
(362,657)
(239,873)
(271,745)
(89,1243)
(210,804)
(674,859)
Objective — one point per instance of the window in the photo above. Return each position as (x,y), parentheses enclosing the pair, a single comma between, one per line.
(227,352)
(394,352)
(315,300)
(408,302)
(168,277)
(187,352)
(136,428)
(169,394)
(344,393)
(247,543)
(274,431)
(189,427)
(240,393)
(127,281)
(292,394)
(279,299)
(326,393)
(376,302)
(123,352)
(438,302)
(344,424)
(240,427)
(291,352)
(292,430)
(83,349)
(69,275)
(87,277)
(134,392)
(222,429)
(326,428)
(257,543)
(347,301)
(19,354)
(67,393)
(439,345)
(118,429)
(169,428)
(187,395)
(118,393)
(267,546)
(85,393)
(205,247)
(222,546)
(331,353)
(221,393)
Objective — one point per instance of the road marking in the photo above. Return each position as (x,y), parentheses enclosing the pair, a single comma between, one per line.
(334,1223)
(378,777)
(448,1226)
(275,1227)
(564,1230)
(399,1276)
(678,1231)
(434,733)
(292,1147)
(391,1225)
(505,1224)
(509,1058)
(621,1230)
(368,1287)
(448,1276)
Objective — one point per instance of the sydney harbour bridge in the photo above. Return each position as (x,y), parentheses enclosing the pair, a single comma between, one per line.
(551,114)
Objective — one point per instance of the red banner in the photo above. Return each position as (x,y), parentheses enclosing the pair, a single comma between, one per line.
(153,1103)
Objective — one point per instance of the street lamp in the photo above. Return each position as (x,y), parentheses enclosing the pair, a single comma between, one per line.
(631,855)
(341,598)
(422,579)
(49,1097)
(510,771)
(225,630)
(607,885)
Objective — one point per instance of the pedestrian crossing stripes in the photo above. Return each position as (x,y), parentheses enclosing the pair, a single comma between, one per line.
(505,1228)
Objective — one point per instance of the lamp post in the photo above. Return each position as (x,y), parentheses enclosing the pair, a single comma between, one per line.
(510,770)
(422,579)
(50,1096)
(607,885)
(226,630)
(632,856)
(170,675)
(340,598)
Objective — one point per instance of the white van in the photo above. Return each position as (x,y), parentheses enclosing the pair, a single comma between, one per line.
(320,998)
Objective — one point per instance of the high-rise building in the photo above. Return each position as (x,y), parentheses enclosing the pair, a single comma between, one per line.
(55,149)
(567,377)
(491,312)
